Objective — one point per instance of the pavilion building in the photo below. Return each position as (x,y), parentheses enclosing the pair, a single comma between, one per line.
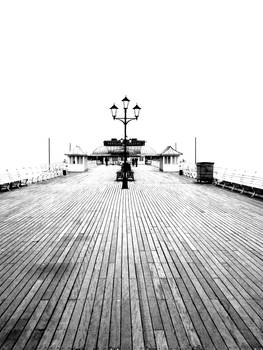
(113,150)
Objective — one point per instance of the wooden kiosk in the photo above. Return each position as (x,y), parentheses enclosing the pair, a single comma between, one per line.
(169,160)
(77,160)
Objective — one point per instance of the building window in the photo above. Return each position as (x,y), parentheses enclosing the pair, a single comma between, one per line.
(167,160)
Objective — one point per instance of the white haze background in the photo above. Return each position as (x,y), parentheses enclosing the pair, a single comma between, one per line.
(194,67)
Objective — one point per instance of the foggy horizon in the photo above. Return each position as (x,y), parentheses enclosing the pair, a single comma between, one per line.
(195,69)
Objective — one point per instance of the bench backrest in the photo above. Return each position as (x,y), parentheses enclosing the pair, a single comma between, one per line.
(4,177)
(249,178)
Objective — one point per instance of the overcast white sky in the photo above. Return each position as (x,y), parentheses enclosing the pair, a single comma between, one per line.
(194,67)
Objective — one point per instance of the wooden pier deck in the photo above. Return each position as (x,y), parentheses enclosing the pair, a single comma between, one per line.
(167,264)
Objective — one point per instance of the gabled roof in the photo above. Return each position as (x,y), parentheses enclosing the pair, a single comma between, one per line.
(147,151)
(170,151)
(134,150)
(77,150)
(101,151)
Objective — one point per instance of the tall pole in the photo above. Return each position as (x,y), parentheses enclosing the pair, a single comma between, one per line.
(49,153)
(125,121)
(125,180)
(195,150)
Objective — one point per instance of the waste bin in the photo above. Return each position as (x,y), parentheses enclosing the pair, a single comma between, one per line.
(205,171)
(64,172)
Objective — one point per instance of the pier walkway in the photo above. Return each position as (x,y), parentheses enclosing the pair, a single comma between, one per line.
(167,264)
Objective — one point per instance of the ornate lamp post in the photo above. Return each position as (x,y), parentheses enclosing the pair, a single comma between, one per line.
(125,120)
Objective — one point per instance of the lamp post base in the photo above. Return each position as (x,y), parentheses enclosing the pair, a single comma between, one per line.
(125,183)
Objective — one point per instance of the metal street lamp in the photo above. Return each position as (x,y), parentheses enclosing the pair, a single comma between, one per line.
(125,120)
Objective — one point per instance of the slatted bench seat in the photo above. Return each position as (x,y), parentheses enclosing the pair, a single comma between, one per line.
(23,177)
(30,174)
(130,175)
(4,180)
(36,174)
(227,178)
(129,172)
(257,184)
(48,173)
(190,171)
(12,178)
(218,175)
(56,171)
(119,175)
(15,179)
(244,181)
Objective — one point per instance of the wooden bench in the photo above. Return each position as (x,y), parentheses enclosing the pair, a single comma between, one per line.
(23,176)
(129,172)
(130,175)
(190,171)
(9,179)
(15,179)
(4,180)
(257,184)
(244,181)
(119,176)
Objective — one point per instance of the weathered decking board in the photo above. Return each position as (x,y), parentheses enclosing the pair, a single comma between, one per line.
(167,264)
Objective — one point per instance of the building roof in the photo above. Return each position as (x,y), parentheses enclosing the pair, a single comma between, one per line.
(170,151)
(76,151)
(148,151)
(101,151)
(105,151)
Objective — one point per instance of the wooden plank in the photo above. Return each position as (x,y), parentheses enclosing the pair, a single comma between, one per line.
(62,326)
(104,328)
(161,340)
(137,330)
(147,324)
(11,322)
(22,340)
(170,335)
(93,330)
(87,307)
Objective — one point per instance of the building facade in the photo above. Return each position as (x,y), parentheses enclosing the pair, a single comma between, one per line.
(77,159)
(169,159)
(112,151)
